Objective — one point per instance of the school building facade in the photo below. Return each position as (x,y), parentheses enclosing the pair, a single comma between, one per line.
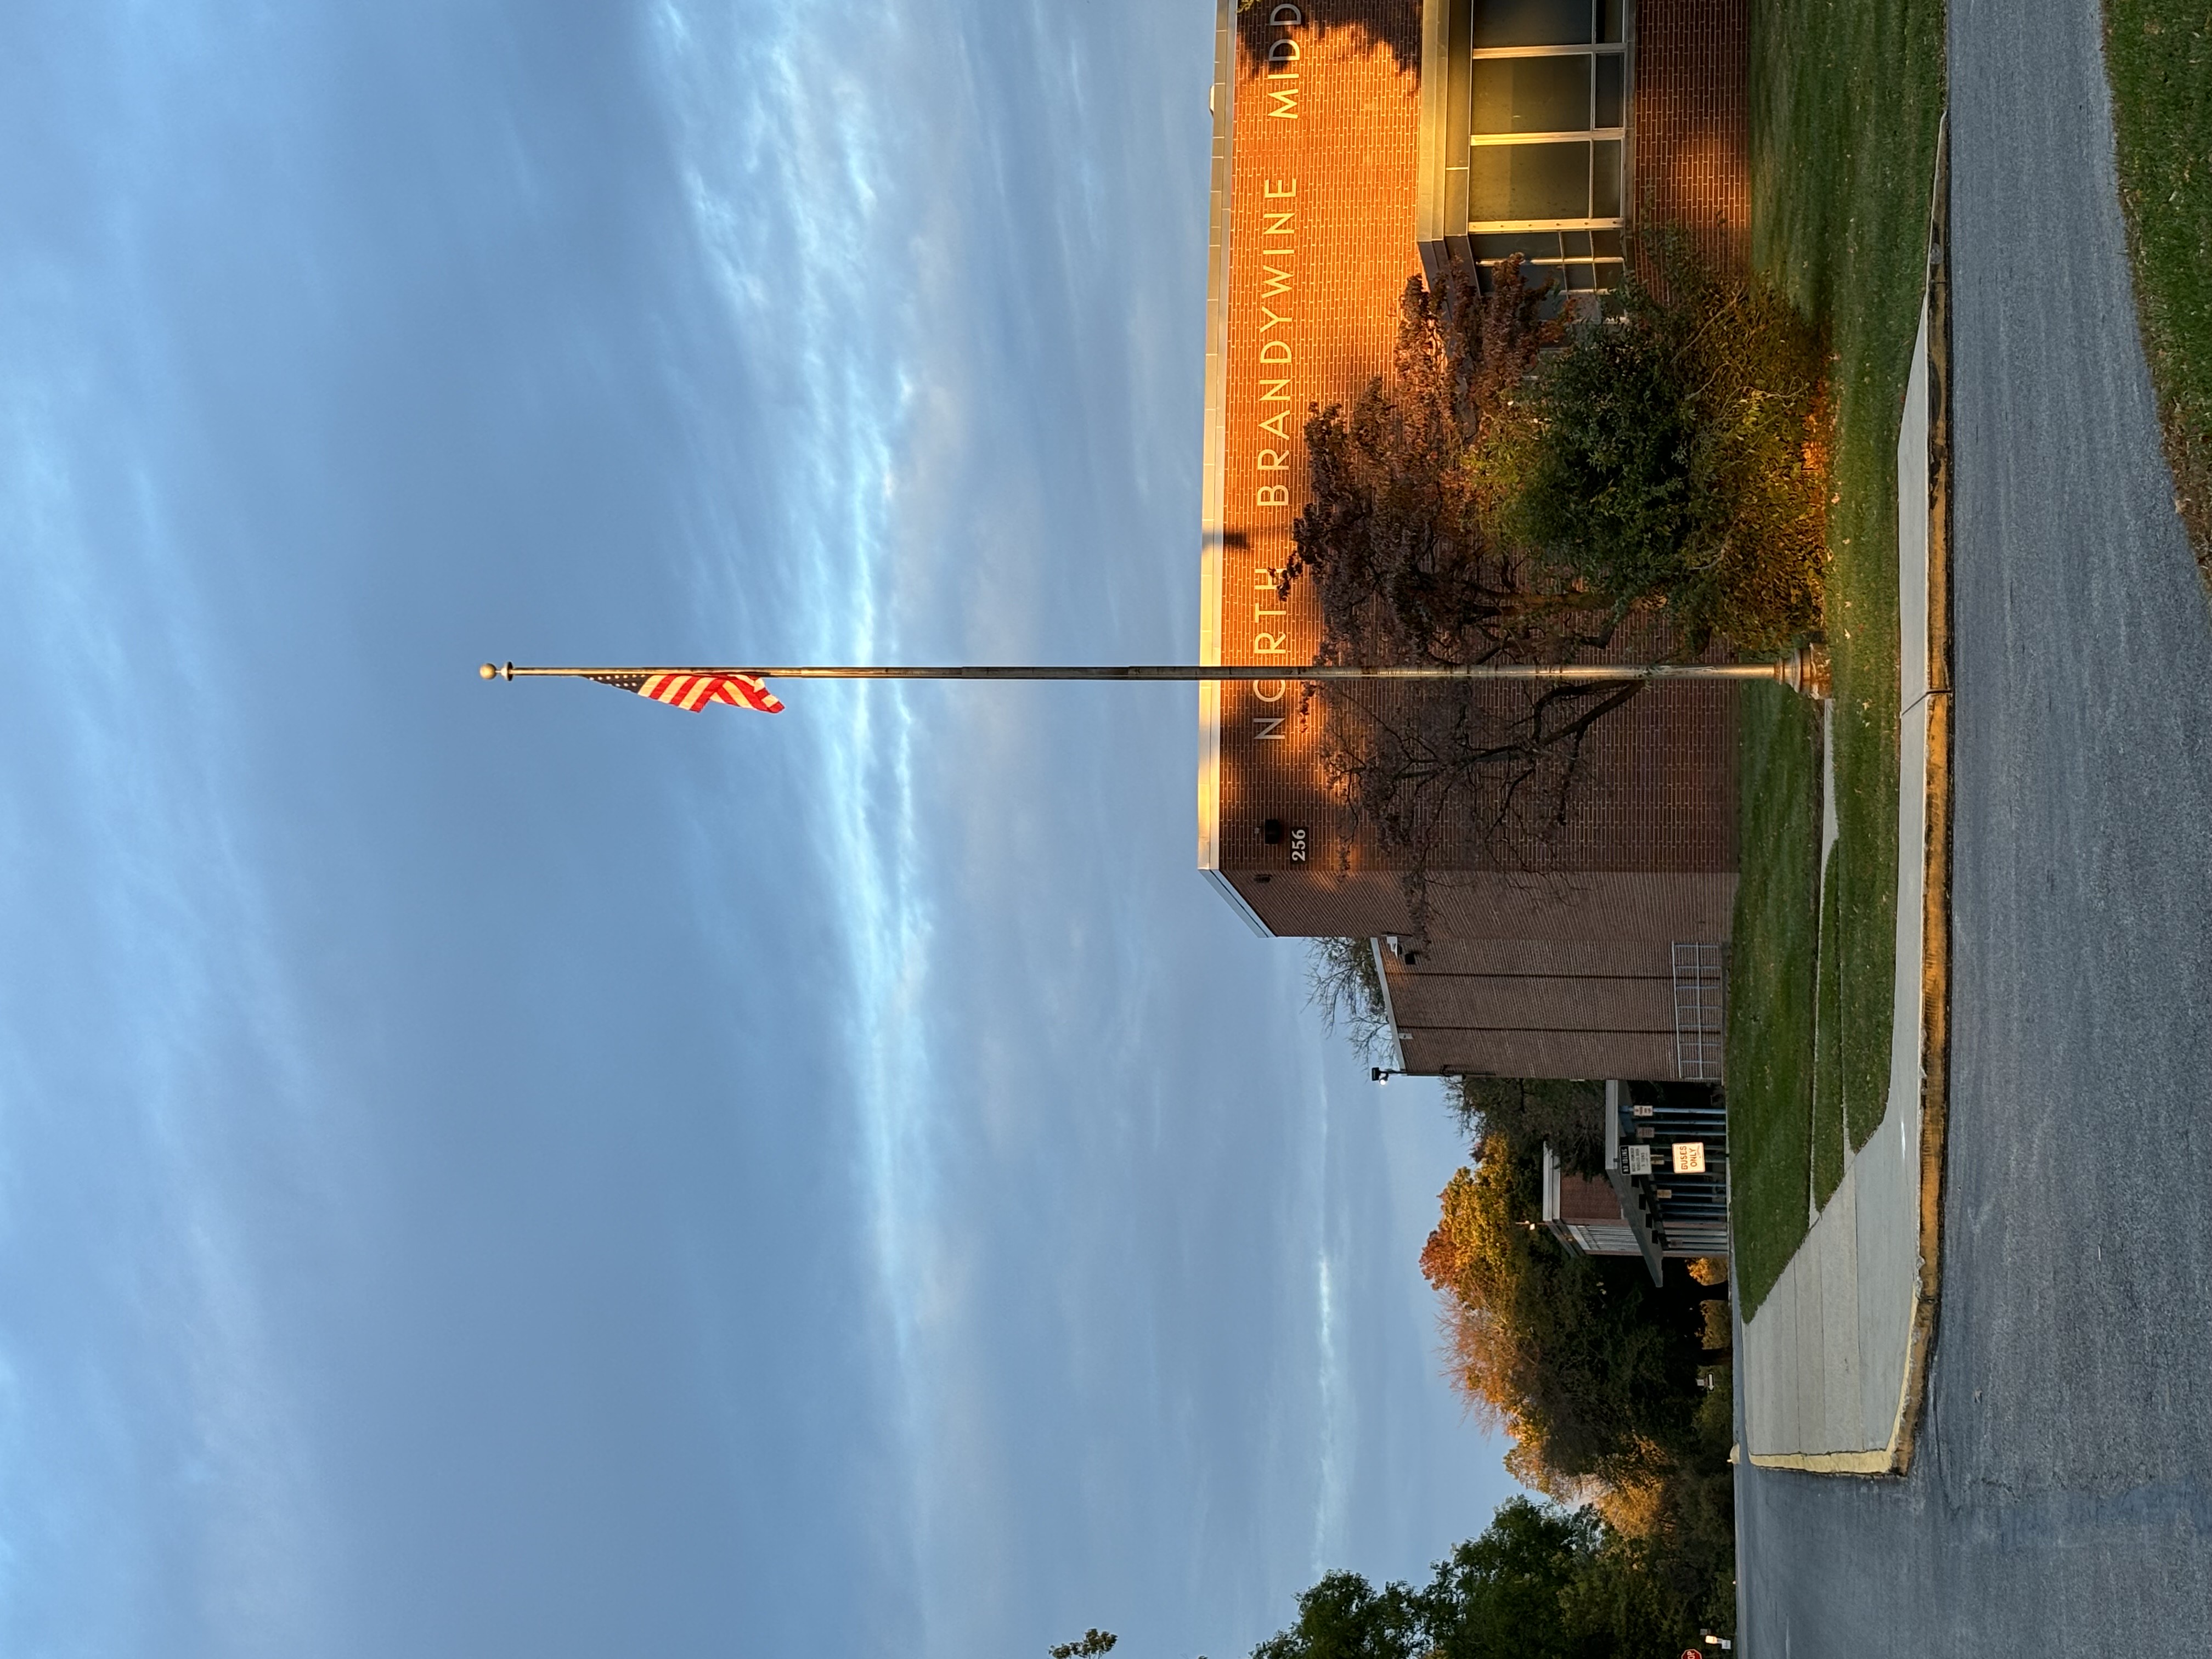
(1357,143)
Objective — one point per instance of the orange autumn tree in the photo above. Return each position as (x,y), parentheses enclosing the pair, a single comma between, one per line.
(1588,1365)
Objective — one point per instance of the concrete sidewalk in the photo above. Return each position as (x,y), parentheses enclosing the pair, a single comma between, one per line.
(1831,1367)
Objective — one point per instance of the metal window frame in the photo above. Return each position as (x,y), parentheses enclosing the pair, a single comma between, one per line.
(1592,50)
(1603,48)
(1597,22)
(1572,136)
(1445,228)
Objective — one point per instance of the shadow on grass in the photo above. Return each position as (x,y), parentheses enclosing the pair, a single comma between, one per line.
(1770,1035)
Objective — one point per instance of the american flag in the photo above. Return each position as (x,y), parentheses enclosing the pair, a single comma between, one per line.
(696,691)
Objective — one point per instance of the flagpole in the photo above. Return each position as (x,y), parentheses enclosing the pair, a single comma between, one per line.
(1804,671)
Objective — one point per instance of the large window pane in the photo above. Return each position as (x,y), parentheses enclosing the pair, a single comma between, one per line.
(1531,243)
(1532,94)
(1611,90)
(1534,181)
(1605,180)
(1532,22)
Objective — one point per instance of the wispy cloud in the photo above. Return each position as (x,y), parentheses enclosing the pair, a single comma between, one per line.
(801,195)
(529,1171)
(142,990)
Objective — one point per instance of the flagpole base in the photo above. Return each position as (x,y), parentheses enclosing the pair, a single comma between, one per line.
(1806,671)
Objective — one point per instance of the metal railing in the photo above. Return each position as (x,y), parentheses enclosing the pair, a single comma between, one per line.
(1699,991)
(1685,1212)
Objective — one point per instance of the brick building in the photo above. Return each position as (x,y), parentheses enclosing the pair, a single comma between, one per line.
(1357,142)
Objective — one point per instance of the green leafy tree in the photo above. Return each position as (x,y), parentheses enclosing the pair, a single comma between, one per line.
(1624,1602)
(1344,1617)
(1505,1592)
(1540,1583)
(1531,1112)
(1092,1643)
(1678,458)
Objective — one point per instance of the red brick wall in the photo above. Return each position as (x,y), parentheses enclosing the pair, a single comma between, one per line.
(1550,1007)
(1583,1199)
(1321,239)
(1654,907)
(1691,142)
(1590,1054)
(1320,243)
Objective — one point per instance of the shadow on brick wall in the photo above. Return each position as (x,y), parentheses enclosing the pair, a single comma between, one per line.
(1393,23)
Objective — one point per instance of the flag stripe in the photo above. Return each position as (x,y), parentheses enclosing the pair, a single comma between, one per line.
(693,692)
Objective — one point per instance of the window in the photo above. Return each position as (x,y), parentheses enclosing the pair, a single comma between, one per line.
(1548,127)
(1516,23)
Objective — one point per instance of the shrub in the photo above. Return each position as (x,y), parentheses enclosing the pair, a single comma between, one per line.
(1676,459)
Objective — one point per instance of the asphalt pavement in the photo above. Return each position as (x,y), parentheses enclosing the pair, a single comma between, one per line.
(2061,1500)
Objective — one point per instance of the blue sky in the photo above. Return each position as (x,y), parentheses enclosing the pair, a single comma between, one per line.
(515,1168)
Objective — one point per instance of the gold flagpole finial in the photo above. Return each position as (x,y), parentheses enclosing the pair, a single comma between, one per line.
(487,672)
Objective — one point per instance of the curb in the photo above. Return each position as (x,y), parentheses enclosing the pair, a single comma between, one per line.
(1935,958)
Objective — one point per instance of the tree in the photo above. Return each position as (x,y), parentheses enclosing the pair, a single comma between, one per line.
(1403,546)
(1533,1112)
(1680,457)
(1505,1592)
(1519,491)
(1343,982)
(1540,1583)
(1092,1643)
(1344,1617)
(1398,538)
(1590,1367)
(1594,1372)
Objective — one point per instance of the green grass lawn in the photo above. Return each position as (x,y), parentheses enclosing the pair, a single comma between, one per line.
(1845,100)
(2159,55)
(1770,1033)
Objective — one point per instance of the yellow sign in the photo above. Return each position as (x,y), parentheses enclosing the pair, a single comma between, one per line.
(1689,1158)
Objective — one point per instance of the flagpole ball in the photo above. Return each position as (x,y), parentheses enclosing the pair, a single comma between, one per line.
(487,672)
